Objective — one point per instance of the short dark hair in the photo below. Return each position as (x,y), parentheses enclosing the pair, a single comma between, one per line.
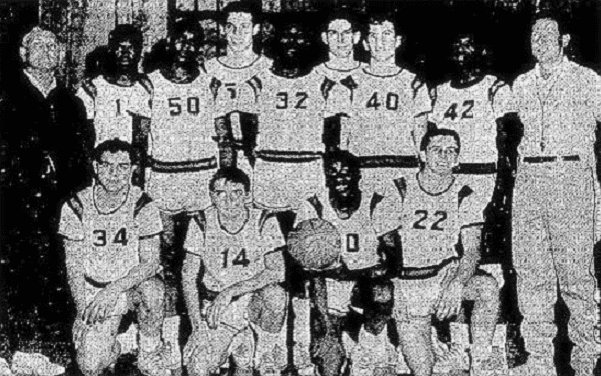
(551,15)
(187,25)
(231,174)
(113,146)
(379,18)
(240,7)
(434,132)
(126,32)
(341,14)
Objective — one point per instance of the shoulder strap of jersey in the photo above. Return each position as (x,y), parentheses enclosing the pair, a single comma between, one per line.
(464,192)
(146,83)
(401,186)
(265,215)
(76,205)
(416,85)
(317,205)
(141,203)
(433,94)
(326,87)
(349,83)
(214,86)
(492,91)
(199,218)
(375,200)
(256,84)
(89,88)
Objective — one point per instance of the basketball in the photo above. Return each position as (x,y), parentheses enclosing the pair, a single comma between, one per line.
(314,244)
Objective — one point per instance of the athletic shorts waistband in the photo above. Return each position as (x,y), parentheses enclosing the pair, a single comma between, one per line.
(547,159)
(388,161)
(476,168)
(289,156)
(424,272)
(187,166)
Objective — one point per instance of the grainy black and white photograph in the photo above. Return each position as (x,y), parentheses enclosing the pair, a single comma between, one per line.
(300,187)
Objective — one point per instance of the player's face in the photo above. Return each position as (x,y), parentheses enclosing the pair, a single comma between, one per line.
(545,41)
(340,38)
(293,42)
(114,171)
(43,53)
(228,196)
(185,48)
(463,52)
(382,41)
(239,31)
(442,154)
(125,54)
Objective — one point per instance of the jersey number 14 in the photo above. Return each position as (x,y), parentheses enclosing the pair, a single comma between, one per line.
(240,259)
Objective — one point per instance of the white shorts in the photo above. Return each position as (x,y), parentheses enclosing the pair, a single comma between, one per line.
(180,191)
(285,184)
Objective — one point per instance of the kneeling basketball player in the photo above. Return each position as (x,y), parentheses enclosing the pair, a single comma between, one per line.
(231,275)
(439,215)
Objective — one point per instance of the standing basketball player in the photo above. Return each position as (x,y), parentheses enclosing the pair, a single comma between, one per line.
(388,103)
(116,100)
(236,83)
(340,35)
(289,145)
(184,155)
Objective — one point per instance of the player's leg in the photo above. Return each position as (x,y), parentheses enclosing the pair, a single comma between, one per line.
(98,348)
(533,262)
(483,290)
(414,302)
(415,342)
(148,299)
(212,352)
(572,240)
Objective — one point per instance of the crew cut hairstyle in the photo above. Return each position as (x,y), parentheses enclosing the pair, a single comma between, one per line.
(433,132)
(113,146)
(240,7)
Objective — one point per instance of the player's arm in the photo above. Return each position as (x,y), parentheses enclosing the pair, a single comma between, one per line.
(75,273)
(149,265)
(71,229)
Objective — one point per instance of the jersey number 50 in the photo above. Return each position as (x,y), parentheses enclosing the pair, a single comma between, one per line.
(192,106)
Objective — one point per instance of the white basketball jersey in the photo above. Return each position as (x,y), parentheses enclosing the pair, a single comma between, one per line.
(110,240)
(112,106)
(236,89)
(229,258)
(291,117)
(340,89)
(431,222)
(182,124)
(358,236)
(472,112)
(383,114)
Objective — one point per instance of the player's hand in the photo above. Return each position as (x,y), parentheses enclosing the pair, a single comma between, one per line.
(79,331)
(450,301)
(216,308)
(101,307)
